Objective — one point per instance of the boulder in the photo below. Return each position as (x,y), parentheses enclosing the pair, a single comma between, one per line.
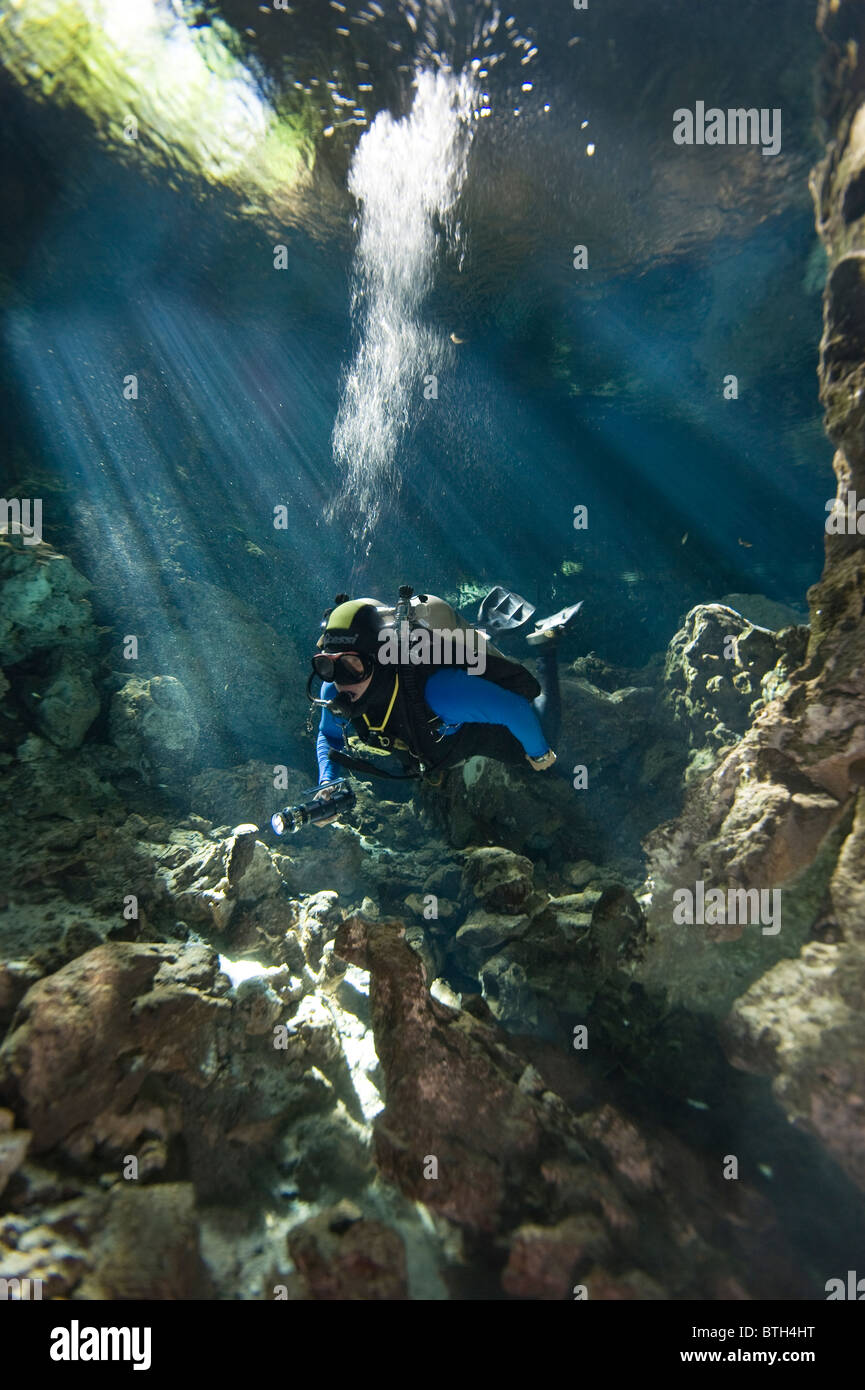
(84,1040)
(342,1256)
(152,723)
(149,1246)
(500,879)
(802,1024)
(714,676)
(43,602)
(473,1129)
(69,704)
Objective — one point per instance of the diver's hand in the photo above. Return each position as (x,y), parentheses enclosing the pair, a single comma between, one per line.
(544,761)
(324,794)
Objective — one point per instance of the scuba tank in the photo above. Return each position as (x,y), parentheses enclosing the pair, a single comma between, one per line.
(433,613)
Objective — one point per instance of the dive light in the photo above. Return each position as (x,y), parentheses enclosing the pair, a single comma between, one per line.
(292,818)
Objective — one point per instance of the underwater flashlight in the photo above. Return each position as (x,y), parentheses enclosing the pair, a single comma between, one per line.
(292,818)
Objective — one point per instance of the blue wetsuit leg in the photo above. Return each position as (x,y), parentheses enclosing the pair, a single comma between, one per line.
(548,705)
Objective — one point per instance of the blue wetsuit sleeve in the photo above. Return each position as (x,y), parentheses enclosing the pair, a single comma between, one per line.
(329,740)
(459,698)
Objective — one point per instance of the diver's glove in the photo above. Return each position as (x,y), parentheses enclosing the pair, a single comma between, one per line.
(324,793)
(544,761)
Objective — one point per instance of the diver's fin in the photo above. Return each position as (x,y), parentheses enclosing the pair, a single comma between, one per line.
(503,611)
(550,629)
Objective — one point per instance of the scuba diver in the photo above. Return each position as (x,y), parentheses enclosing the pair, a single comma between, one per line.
(431,713)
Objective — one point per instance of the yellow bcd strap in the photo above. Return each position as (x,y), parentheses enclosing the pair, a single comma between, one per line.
(377,728)
(355,741)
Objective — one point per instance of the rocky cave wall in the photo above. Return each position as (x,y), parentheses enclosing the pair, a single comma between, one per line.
(785,807)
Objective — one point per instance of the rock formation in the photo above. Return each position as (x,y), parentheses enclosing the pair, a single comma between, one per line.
(783,807)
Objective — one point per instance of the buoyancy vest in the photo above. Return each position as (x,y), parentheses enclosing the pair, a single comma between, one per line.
(403,723)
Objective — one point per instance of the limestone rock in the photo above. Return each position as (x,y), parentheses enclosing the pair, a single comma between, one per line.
(472,1128)
(483,931)
(485,801)
(341,1255)
(149,1246)
(715,669)
(542,1258)
(500,879)
(14,1144)
(802,1023)
(43,602)
(69,704)
(513,1001)
(152,722)
(84,1040)
(245,792)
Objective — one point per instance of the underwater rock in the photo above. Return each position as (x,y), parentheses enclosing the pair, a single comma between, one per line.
(48,1230)
(341,1255)
(601,725)
(70,1055)
(715,669)
(16,977)
(620,741)
(439,1067)
(149,1248)
(69,704)
(501,879)
(482,931)
(94,1044)
(247,693)
(46,621)
(781,810)
(249,867)
(538,974)
(152,721)
(43,602)
(765,816)
(234,887)
(630,1286)
(73,784)
(245,792)
(14,1144)
(541,1258)
(747,831)
(472,1129)
(512,1000)
(802,1024)
(553,959)
(327,1154)
(485,801)
(584,874)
